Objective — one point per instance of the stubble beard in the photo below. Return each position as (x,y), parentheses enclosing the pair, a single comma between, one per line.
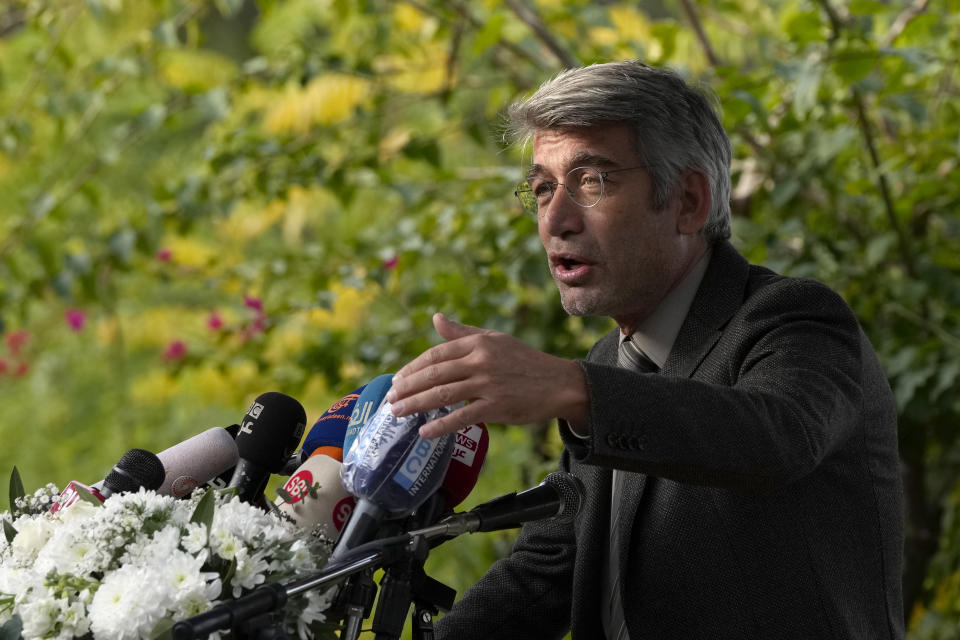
(578,302)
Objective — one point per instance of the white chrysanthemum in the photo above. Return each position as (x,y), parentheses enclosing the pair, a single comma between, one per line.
(225,544)
(187,586)
(39,615)
(73,619)
(251,571)
(194,538)
(32,533)
(146,550)
(317,604)
(67,553)
(77,512)
(126,605)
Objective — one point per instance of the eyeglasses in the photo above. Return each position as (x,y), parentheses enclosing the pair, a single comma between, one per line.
(584,185)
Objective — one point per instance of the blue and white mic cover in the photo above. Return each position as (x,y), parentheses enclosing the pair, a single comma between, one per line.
(392,466)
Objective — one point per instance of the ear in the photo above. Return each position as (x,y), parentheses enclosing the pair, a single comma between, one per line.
(694,201)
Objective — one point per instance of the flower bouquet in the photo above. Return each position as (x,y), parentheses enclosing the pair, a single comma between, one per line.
(135,564)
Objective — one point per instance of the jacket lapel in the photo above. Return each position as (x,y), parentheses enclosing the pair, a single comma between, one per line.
(720,294)
(718,298)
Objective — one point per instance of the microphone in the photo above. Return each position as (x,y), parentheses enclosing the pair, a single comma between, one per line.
(197,460)
(324,510)
(469,453)
(269,433)
(392,471)
(136,468)
(327,434)
(369,402)
(559,497)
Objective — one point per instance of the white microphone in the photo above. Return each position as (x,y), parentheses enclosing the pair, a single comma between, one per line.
(196,461)
(326,513)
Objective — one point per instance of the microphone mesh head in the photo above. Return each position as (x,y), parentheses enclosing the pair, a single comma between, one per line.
(137,468)
(570,489)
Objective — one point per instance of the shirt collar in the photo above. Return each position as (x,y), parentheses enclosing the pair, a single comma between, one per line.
(657,333)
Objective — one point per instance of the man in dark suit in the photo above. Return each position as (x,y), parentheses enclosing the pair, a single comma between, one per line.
(736,435)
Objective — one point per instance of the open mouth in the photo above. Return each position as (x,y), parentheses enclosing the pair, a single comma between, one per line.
(569,264)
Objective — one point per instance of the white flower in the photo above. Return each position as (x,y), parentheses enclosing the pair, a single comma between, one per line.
(251,571)
(78,511)
(317,603)
(195,537)
(73,618)
(32,533)
(224,544)
(39,616)
(117,571)
(126,605)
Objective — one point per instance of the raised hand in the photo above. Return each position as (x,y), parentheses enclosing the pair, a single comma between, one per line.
(502,379)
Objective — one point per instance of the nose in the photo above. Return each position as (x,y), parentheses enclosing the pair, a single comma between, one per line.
(562,216)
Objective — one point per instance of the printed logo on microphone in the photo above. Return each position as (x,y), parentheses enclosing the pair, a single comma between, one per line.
(420,461)
(342,511)
(468,440)
(184,485)
(255,410)
(299,485)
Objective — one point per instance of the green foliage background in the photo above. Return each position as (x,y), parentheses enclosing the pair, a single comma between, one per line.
(202,201)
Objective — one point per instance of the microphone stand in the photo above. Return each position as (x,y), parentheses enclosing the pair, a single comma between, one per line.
(406,581)
(244,615)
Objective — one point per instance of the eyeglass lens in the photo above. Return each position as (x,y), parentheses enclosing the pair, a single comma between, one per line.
(584,185)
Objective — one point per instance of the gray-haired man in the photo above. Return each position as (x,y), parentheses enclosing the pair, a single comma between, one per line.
(736,435)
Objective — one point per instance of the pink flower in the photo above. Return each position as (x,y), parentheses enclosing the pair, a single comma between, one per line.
(16,340)
(175,351)
(391,263)
(164,254)
(214,321)
(76,318)
(254,303)
(21,369)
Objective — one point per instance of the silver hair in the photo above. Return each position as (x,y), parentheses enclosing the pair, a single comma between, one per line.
(676,125)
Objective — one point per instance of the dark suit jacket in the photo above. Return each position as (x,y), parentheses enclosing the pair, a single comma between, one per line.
(766,497)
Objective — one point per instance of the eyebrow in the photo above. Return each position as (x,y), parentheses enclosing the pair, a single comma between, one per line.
(580,159)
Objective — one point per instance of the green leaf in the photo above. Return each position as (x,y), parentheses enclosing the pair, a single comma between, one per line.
(9,531)
(489,35)
(228,575)
(11,629)
(203,513)
(86,496)
(806,86)
(163,630)
(16,490)
(805,27)
(283,493)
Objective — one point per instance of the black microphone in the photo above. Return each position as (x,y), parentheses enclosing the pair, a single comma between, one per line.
(559,497)
(269,433)
(136,468)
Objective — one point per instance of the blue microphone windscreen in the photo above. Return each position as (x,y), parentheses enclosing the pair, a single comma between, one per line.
(366,406)
(330,428)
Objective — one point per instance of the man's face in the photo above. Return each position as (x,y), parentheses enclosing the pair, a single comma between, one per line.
(620,257)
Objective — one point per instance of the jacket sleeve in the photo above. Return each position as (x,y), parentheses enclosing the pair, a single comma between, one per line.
(775,395)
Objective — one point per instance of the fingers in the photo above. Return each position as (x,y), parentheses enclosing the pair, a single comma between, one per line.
(451,329)
(453,421)
(432,357)
(431,397)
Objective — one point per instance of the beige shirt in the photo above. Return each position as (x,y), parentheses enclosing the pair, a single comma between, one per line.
(657,333)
